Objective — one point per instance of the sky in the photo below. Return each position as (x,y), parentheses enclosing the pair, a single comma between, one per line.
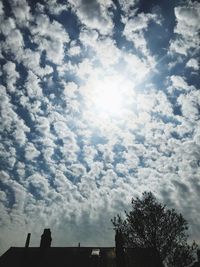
(100,102)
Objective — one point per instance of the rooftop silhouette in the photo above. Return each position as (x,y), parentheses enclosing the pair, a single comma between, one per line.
(45,255)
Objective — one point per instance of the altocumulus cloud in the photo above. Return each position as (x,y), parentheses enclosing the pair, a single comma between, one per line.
(99,102)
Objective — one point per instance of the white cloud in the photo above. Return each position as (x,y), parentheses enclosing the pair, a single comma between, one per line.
(70,90)
(32,86)
(31,152)
(179,46)
(47,153)
(85,68)
(193,63)
(77,170)
(40,185)
(105,49)
(135,66)
(20,136)
(31,60)
(138,23)
(131,159)
(62,183)
(128,6)
(107,152)
(14,43)
(189,105)
(54,7)
(10,121)
(187,19)
(122,169)
(7,25)
(74,50)
(134,31)
(51,37)
(21,11)
(94,14)
(8,155)
(11,75)
(54,49)
(32,106)
(187,28)
(43,125)
(21,169)
(178,82)
(89,153)
(107,52)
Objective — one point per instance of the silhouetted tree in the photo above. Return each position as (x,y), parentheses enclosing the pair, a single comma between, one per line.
(150,224)
(182,255)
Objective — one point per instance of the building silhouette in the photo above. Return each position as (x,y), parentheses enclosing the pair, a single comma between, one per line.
(47,256)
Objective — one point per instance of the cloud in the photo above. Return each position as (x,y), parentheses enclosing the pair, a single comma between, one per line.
(179,83)
(31,60)
(193,63)
(31,152)
(138,23)
(51,37)
(142,69)
(74,50)
(39,184)
(7,25)
(53,7)
(14,43)
(187,19)
(134,30)
(187,28)
(43,126)
(11,122)
(21,11)
(11,75)
(94,14)
(32,86)
(128,7)
(189,105)
(106,51)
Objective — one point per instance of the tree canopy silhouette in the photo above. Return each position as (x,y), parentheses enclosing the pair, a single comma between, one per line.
(149,224)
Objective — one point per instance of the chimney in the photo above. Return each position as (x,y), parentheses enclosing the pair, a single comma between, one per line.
(46,239)
(28,240)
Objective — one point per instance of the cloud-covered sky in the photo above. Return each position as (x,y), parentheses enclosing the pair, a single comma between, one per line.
(100,100)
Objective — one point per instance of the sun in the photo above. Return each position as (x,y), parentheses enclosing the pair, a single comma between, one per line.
(108,99)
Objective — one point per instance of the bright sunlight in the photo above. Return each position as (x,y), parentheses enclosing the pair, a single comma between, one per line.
(109,97)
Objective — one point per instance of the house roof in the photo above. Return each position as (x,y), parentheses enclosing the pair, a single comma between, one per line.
(58,256)
(77,257)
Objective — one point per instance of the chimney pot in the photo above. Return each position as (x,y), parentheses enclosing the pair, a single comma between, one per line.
(28,240)
(46,239)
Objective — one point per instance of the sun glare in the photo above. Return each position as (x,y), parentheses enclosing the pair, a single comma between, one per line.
(108,100)
(107,97)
